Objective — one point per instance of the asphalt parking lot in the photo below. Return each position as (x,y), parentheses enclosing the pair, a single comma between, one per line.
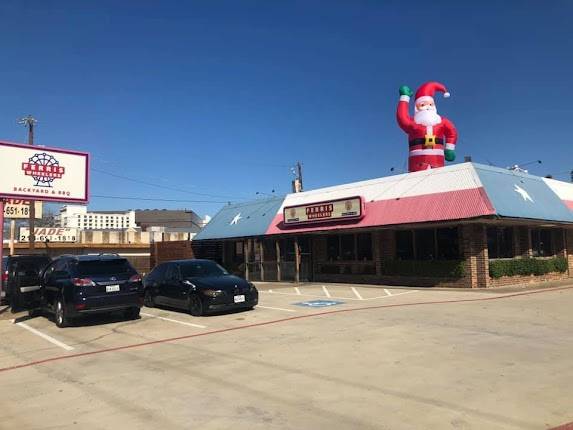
(308,357)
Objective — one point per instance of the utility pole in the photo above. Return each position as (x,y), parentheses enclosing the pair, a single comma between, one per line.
(30,122)
(297,181)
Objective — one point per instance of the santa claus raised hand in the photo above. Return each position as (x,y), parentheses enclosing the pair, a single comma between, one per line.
(431,138)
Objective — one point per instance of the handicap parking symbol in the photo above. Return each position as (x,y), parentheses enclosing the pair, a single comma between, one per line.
(319,303)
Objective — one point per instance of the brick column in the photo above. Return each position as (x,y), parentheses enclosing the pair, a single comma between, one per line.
(474,250)
(376,252)
(386,248)
(569,249)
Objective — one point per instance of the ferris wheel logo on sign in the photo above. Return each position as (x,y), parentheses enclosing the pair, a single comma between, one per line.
(44,168)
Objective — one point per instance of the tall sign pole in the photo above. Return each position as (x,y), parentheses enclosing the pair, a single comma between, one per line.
(1,239)
(30,122)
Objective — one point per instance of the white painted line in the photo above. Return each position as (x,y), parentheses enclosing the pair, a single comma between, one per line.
(270,291)
(276,309)
(394,295)
(388,293)
(325,291)
(356,293)
(174,321)
(297,290)
(45,336)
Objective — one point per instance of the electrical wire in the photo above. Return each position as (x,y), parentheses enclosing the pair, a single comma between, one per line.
(100,196)
(151,184)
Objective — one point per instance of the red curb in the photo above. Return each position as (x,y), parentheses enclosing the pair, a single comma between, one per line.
(318,314)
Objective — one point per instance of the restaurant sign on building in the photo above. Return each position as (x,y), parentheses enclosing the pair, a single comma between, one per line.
(326,211)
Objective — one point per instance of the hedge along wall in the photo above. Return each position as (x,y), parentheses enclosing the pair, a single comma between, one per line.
(526,267)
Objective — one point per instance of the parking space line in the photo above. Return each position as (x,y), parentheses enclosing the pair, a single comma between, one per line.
(325,291)
(277,321)
(297,290)
(276,309)
(356,293)
(388,293)
(338,297)
(173,321)
(45,336)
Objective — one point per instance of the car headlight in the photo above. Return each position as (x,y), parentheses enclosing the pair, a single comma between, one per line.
(212,293)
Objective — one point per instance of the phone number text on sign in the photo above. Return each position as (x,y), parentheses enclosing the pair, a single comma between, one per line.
(14,208)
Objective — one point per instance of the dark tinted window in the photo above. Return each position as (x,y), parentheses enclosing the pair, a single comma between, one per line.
(200,269)
(500,242)
(347,247)
(117,266)
(425,245)
(333,248)
(404,245)
(541,243)
(364,246)
(4,263)
(31,266)
(448,244)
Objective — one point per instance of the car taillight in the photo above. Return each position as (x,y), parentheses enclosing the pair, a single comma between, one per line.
(5,276)
(83,282)
(135,278)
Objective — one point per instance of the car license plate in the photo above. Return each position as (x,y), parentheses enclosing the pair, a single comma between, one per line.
(111,288)
(239,299)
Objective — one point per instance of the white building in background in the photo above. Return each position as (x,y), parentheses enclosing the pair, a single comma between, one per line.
(77,216)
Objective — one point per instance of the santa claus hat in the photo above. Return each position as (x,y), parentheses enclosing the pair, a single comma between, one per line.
(427,91)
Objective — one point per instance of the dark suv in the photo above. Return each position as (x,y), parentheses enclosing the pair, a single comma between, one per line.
(21,271)
(75,285)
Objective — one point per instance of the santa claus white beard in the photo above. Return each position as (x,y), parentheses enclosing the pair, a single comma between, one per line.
(427,117)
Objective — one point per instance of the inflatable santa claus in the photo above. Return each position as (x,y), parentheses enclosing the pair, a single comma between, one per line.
(431,138)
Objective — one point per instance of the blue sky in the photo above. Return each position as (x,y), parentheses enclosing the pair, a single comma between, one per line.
(219,98)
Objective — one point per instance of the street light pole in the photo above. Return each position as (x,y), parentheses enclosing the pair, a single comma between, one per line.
(30,122)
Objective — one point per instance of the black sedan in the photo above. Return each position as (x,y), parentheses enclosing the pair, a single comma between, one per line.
(199,287)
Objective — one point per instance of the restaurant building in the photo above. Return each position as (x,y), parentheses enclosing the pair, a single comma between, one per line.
(465,225)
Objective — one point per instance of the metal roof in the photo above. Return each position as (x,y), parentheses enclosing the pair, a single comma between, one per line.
(456,192)
(241,220)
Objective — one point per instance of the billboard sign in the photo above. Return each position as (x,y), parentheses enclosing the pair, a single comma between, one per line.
(52,234)
(39,173)
(20,209)
(334,210)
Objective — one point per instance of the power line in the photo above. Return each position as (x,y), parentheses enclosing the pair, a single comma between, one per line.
(99,196)
(151,184)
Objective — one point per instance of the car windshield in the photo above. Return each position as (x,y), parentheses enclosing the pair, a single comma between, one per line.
(198,269)
(117,266)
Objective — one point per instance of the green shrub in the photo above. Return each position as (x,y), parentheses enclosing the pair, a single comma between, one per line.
(424,268)
(526,266)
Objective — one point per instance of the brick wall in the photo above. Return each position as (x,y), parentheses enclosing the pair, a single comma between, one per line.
(167,251)
(569,249)
(521,280)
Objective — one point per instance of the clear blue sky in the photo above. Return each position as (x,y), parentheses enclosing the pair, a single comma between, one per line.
(220,97)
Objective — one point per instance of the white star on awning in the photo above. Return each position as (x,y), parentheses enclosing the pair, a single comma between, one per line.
(236,219)
(523,193)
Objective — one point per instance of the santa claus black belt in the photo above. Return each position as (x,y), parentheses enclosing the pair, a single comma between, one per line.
(422,141)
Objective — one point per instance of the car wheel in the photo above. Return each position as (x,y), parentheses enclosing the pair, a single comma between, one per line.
(61,317)
(132,313)
(148,299)
(195,305)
